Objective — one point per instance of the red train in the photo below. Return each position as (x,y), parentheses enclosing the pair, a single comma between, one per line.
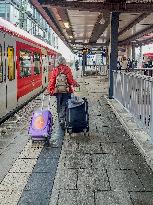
(25,66)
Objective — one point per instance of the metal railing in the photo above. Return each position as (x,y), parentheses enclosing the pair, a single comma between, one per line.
(101,69)
(135,92)
(142,71)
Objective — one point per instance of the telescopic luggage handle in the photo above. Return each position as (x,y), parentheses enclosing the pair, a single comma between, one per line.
(49,102)
(43,98)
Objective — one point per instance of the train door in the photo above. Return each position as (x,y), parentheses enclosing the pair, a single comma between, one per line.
(2,77)
(44,68)
(11,79)
(51,65)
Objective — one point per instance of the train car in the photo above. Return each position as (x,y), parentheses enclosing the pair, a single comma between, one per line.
(25,66)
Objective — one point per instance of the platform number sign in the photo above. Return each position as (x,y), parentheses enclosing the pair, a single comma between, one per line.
(84,50)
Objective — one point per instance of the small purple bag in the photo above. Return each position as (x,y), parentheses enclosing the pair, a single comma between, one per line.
(41,124)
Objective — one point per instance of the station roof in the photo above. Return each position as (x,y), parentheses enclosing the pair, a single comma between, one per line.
(87,22)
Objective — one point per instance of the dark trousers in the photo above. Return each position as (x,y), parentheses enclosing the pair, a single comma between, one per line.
(62,99)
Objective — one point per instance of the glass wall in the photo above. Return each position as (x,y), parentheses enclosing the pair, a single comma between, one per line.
(33,23)
(5,11)
(14,15)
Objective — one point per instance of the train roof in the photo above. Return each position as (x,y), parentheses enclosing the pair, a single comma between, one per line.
(15,31)
(148,54)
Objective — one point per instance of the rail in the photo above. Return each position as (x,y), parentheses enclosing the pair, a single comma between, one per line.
(135,92)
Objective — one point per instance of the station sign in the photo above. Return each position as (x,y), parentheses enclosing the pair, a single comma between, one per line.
(85,50)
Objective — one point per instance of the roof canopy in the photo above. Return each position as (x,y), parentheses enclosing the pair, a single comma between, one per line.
(87,22)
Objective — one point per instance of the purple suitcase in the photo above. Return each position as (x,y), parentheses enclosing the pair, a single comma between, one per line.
(40,128)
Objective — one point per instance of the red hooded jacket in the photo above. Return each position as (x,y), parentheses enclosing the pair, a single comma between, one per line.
(67,71)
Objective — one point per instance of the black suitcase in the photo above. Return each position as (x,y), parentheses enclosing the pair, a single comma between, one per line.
(77,117)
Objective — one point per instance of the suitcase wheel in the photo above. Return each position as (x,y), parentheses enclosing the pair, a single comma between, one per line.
(47,142)
(69,131)
(86,131)
(32,140)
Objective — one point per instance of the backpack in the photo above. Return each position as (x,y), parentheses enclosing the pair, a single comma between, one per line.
(61,83)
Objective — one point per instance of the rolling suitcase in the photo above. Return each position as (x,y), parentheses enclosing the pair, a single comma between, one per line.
(40,128)
(77,117)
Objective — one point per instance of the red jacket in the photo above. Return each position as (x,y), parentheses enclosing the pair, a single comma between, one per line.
(67,71)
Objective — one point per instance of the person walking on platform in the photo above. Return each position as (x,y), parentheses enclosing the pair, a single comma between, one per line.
(76,69)
(61,85)
(129,65)
(76,65)
(119,67)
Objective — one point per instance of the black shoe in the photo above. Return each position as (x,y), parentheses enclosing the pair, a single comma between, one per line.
(62,124)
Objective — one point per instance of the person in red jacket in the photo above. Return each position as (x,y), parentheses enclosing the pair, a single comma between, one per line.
(62,73)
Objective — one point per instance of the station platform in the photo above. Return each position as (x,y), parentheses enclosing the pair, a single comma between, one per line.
(104,168)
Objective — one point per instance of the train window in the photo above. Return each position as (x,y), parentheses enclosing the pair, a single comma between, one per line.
(1,65)
(36,63)
(25,63)
(11,67)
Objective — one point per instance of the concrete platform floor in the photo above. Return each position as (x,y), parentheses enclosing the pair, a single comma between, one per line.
(104,168)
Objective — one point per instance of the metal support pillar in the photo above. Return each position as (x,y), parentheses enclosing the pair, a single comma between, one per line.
(140,57)
(84,60)
(107,56)
(114,49)
(133,51)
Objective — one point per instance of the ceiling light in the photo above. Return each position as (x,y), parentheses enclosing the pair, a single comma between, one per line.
(66,24)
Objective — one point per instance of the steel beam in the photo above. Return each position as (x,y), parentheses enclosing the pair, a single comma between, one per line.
(56,23)
(137,35)
(52,22)
(99,28)
(44,14)
(65,18)
(99,6)
(89,44)
(143,42)
(133,23)
(114,50)
(53,18)
(129,26)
